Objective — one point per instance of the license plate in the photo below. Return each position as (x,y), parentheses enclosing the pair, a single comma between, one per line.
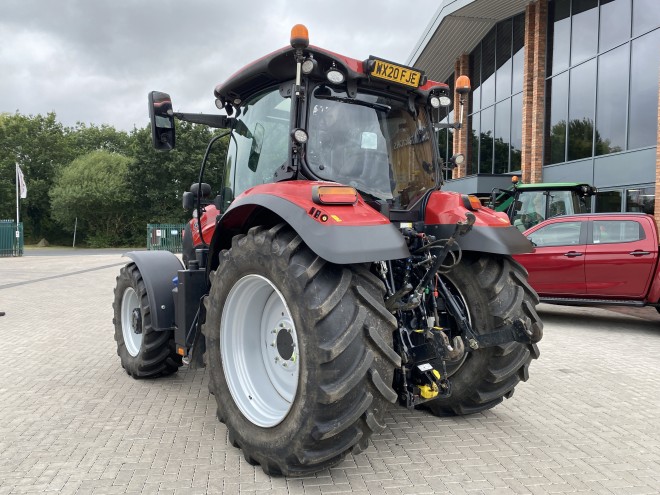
(399,74)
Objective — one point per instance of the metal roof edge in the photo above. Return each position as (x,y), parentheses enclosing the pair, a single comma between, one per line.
(447,7)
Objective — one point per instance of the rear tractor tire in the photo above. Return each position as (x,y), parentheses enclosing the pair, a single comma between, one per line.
(496,291)
(144,352)
(298,351)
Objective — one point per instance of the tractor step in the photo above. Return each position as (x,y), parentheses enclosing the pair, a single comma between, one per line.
(574,301)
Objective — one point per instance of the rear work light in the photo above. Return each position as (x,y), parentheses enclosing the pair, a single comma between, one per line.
(334,195)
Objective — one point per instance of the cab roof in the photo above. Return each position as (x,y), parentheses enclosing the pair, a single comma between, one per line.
(280,66)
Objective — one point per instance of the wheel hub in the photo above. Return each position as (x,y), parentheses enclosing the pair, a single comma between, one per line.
(136,320)
(131,321)
(280,352)
(285,345)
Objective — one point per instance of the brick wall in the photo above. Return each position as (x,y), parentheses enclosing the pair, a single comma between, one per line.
(536,15)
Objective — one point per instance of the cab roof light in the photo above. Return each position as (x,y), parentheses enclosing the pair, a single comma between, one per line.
(334,195)
(299,36)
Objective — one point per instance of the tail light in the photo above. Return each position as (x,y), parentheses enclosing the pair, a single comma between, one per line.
(334,195)
(471,202)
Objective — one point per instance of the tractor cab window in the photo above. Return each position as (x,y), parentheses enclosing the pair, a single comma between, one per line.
(260,140)
(530,209)
(372,142)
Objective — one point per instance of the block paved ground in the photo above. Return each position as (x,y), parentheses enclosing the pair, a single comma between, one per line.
(72,421)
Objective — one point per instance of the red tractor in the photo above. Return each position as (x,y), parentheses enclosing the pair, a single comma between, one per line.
(329,277)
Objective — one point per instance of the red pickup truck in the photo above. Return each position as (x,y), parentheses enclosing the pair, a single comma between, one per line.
(597,258)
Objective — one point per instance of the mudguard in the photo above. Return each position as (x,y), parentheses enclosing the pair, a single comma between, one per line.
(341,234)
(158,268)
(491,232)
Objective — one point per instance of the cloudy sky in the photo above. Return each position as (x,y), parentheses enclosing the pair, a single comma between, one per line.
(95,61)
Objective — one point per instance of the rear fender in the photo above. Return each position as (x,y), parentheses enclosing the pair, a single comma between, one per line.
(341,234)
(491,232)
(158,268)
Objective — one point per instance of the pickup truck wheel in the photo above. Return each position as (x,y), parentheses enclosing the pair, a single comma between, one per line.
(143,351)
(496,291)
(298,351)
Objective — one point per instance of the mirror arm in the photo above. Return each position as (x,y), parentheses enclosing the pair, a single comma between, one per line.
(218,121)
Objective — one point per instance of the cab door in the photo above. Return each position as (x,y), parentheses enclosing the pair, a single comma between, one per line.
(556,267)
(620,258)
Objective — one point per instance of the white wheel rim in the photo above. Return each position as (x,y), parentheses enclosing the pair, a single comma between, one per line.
(259,350)
(132,338)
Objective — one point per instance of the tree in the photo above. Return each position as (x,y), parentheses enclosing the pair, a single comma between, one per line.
(158,179)
(38,144)
(581,137)
(94,189)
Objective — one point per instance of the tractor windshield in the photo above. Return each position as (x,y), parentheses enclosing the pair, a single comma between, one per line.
(372,142)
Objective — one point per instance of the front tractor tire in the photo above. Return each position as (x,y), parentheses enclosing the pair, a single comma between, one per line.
(143,351)
(298,351)
(495,291)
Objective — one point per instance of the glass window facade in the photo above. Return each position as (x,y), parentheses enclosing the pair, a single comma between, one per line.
(495,121)
(609,201)
(602,77)
(640,200)
(643,116)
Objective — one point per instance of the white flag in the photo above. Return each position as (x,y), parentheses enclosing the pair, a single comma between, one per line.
(21,182)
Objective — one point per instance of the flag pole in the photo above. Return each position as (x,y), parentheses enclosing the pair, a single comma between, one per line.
(17,237)
(17,195)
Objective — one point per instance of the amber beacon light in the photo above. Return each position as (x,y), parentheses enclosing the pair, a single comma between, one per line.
(299,36)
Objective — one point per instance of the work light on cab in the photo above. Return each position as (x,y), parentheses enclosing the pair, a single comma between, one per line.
(299,135)
(335,76)
(334,195)
(308,66)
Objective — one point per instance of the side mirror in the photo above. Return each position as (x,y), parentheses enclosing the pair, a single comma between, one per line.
(206,190)
(188,201)
(190,197)
(161,116)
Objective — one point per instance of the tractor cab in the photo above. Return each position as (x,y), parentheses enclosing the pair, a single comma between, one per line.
(529,204)
(305,113)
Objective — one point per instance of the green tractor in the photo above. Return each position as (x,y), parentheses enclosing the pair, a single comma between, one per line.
(529,204)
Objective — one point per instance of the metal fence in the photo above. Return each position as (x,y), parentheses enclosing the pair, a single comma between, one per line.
(165,237)
(11,240)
